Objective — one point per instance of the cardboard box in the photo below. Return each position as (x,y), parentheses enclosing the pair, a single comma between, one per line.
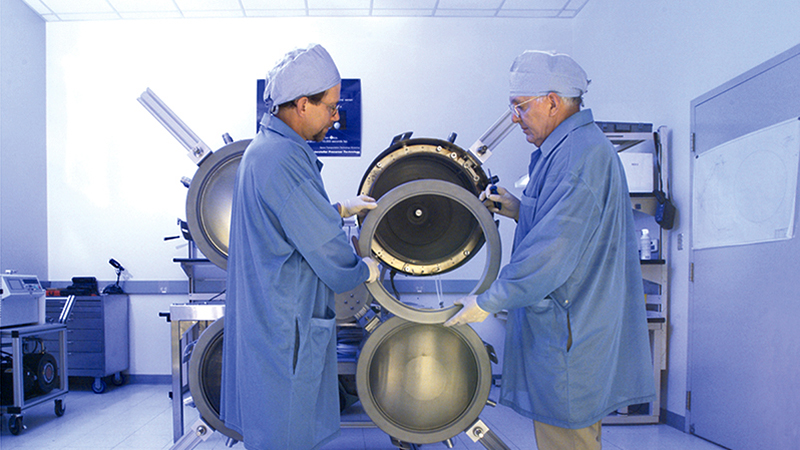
(638,171)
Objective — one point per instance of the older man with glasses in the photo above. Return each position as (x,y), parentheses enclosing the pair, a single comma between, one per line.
(577,345)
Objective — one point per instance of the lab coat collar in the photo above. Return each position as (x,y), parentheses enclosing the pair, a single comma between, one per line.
(571,123)
(276,125)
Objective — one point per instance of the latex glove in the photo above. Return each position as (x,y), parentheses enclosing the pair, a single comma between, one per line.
(509,205)
(355,205)
(470,312)
(374,270)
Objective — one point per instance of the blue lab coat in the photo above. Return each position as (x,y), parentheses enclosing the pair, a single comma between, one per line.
(287,256)
(574,271)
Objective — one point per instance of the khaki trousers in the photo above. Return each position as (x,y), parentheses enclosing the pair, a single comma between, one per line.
(549,437)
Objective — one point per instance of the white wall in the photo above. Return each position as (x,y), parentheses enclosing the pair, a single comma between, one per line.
(648,60)
(150,335)
(23,184)
(113,171)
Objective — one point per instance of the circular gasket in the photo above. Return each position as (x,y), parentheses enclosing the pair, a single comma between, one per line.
(368,246)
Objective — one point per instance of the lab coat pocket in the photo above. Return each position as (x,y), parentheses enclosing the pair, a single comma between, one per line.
(543,305)
(313,348)
(527,210)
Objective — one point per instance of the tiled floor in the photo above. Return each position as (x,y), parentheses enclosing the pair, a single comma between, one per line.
(139,416)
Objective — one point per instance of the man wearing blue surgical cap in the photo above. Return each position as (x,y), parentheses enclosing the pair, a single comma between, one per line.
(577,345)
(287,256)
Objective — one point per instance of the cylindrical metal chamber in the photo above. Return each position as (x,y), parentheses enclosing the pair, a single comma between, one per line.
(205,377)
(407,198)
(210,199)
(423,383)
(428,230)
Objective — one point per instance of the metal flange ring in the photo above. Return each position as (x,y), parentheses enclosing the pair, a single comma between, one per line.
(205,377)
(435,188)
(210,199)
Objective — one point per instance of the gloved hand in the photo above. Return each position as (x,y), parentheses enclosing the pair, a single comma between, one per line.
(509,205)
(355,205)
(374,270)
(470,312)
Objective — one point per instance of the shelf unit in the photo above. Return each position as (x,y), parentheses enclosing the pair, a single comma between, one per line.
(655,272)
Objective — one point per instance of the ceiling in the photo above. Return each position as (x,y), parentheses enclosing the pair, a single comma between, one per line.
(91,10)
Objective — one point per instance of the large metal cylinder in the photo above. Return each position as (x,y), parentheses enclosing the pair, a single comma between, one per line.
(404,197)
(426,230)
(205,377)
(210,199)
(423,383)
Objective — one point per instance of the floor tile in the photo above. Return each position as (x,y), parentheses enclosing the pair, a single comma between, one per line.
(139,417)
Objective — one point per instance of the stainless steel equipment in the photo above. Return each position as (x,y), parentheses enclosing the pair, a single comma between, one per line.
(409,198)
(21,300)
(210,199)
(205,377)
(431,233)
(187,323)
(32,375)
(417,380)
(423,383)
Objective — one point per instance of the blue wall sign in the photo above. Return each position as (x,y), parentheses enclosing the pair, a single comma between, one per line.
(344,138)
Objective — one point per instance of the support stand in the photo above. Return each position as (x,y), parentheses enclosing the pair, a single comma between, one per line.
(200,432)
(479,431)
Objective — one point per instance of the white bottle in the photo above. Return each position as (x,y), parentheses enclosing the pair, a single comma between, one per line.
(644,245)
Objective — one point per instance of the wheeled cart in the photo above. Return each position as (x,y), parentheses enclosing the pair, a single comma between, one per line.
(22,398)
(97,327)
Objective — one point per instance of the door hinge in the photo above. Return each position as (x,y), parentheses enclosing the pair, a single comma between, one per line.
(691,272)
(688,400)
(691,143)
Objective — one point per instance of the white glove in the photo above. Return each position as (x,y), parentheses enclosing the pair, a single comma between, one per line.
(355,205)
(509,205)
(374,270)
(470,312)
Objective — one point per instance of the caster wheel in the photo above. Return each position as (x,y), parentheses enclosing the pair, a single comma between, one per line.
(119,379)
(15,424)
(59,408)
(98,386)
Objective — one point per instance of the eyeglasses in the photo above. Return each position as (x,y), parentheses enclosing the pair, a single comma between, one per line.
(333,108)
(515,108)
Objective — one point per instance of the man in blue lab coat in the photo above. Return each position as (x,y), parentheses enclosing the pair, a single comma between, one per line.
(577,344)
(287,256)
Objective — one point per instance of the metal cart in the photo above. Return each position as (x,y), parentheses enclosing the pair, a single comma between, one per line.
(13,337)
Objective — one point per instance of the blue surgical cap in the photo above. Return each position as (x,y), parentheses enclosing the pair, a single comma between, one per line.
(536,73)
(301,72)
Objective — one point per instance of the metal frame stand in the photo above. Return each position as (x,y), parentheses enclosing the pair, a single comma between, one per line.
(20,404)
(479,431)
(183,318)
(199,433)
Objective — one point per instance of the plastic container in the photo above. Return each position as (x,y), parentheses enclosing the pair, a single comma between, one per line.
(644,245)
